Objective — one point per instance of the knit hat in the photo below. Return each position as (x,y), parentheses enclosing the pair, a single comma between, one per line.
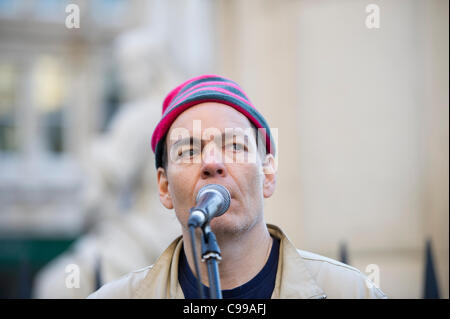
(206,88)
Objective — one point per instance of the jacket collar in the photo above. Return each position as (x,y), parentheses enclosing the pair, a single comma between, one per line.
(293,280)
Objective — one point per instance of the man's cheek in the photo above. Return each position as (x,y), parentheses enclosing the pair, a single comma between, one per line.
(180,197)
(252,174)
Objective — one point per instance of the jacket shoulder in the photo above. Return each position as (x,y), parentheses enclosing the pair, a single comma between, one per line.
(312,257)
(339,280)
(122,288)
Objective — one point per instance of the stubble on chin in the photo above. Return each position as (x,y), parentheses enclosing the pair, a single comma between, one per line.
(232,228)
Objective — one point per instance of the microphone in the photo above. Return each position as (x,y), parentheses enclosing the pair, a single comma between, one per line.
(212,200)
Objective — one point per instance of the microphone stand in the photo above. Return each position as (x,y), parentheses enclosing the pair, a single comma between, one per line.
(211,254)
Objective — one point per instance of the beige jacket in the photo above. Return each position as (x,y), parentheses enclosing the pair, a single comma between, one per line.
(300,275)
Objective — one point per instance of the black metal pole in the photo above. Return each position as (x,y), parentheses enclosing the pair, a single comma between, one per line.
(197,268)
(211,254)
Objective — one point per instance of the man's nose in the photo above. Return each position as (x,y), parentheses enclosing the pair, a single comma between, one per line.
(212,163)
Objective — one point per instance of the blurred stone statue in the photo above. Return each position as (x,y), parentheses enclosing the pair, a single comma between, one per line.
(128,227)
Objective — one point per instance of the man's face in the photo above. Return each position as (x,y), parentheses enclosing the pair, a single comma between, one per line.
(214,156)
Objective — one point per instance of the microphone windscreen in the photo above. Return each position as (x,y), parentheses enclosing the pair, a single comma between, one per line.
(217,189)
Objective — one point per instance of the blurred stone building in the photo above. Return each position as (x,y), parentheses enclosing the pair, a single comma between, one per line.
(58,90)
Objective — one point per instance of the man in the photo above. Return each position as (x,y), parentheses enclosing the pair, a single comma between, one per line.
(193,148)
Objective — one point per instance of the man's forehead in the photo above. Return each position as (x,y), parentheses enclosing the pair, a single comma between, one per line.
(212,114)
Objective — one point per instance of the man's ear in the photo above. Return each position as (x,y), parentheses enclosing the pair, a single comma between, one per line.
(163,187)
(270,176)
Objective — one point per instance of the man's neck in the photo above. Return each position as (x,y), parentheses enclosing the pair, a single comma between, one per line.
(243,256)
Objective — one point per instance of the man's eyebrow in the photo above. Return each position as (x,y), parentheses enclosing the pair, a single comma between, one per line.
(235,134)
(184,141)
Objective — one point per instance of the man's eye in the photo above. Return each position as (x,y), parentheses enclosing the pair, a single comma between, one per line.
(189,152)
